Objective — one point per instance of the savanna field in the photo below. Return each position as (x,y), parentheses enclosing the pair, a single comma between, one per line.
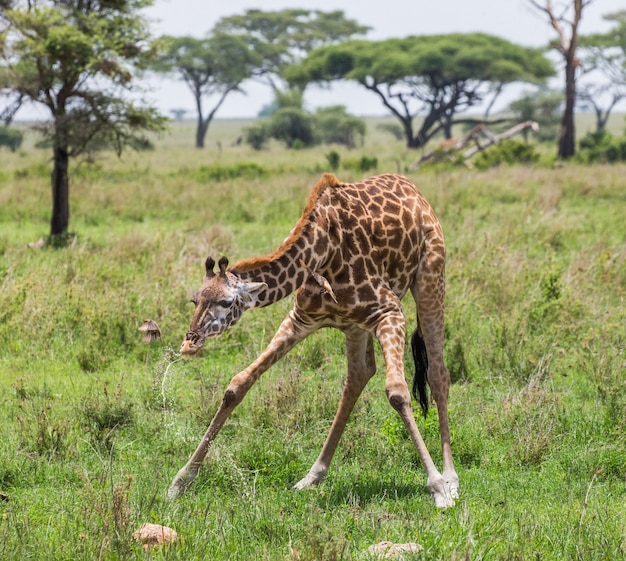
(94,423)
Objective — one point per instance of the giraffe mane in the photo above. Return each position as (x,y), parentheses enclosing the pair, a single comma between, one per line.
(327,181)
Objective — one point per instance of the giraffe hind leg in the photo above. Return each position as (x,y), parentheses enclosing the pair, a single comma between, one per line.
(428,292)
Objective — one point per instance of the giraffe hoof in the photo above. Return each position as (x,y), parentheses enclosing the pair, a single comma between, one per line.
(305,483)
(312,479)
(174,491)
(184,478)
(440,492)
(452,482)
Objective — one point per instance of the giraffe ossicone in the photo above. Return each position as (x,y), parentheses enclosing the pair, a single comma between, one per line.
(356,250)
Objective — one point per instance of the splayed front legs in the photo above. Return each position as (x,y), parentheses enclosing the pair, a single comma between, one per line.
(361,367)
(288,335)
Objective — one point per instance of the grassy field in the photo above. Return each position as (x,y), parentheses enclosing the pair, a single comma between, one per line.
(94,423)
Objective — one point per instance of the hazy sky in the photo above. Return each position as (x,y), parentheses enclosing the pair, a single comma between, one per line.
(514,20)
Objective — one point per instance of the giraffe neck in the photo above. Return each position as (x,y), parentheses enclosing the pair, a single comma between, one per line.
(309,242)
(286,269)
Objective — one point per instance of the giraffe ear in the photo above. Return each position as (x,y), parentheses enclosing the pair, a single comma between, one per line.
(208,265)
(223,264)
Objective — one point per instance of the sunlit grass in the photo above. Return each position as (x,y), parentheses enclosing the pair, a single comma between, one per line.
(95,423)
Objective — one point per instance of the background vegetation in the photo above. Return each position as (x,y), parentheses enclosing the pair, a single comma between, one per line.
(94,424)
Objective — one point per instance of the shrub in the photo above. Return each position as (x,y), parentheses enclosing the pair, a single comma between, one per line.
(363,164)
(334,126)
(333,158)
(218,172)
(292,126)
(603,147)
(394,129)
(11,138)
(506,152)
(257,136)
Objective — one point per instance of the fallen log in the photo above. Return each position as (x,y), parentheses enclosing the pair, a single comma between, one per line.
(452,146)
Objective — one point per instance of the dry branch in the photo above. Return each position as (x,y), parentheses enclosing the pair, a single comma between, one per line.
(455,145)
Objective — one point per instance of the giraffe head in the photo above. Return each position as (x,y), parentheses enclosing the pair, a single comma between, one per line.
(220,303)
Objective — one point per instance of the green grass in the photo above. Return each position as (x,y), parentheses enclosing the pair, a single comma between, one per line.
(94,424)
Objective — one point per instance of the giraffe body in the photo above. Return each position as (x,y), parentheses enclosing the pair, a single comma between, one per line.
(355,252)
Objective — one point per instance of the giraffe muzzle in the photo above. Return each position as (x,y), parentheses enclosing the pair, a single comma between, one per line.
(189,348)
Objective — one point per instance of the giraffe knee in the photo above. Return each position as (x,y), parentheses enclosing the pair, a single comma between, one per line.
(233,396)
(229,399)
(399,400)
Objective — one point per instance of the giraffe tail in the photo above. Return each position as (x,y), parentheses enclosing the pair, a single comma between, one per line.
(420,357)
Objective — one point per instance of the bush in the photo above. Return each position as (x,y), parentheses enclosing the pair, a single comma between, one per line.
(298,129)
(257,136)
(218,172)
(363,164)
(11,138)
(334,126)
(603,147)
(506,152)
(394,129)
(333,158)
(293,126)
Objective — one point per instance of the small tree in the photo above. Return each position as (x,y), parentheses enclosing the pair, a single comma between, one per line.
(566,46)
(211,67)
(293,126)
(11,138)
(77,59)
(333,125)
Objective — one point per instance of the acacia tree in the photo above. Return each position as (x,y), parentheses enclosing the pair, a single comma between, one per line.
(570,16)
(604,56)
(77,58)
(211,67)
(284,38)
(435,76)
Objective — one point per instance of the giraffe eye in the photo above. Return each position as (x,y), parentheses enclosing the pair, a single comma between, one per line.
(194,300)
(224,303)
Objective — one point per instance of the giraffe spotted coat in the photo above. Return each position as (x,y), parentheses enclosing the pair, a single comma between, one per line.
(370,242)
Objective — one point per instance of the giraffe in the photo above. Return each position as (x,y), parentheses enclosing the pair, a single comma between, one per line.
(357,249)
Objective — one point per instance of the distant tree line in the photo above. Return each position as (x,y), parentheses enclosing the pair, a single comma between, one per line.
(81,62)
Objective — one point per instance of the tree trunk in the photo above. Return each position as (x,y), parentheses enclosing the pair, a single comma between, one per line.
(447,127)
(200,132)
(60,193)
(600,120)
(567,139)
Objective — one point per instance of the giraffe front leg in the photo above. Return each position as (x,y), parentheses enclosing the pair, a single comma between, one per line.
(288,335)
(361,367)
(235,393)
(437,485)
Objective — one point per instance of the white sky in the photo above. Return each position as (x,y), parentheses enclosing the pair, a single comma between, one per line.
(514,20)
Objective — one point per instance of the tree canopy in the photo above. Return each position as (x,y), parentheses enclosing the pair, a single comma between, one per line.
(210,67)
(77,59)
(436,76)
(284,37)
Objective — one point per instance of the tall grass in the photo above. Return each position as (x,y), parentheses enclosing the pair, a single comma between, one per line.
(94,424)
